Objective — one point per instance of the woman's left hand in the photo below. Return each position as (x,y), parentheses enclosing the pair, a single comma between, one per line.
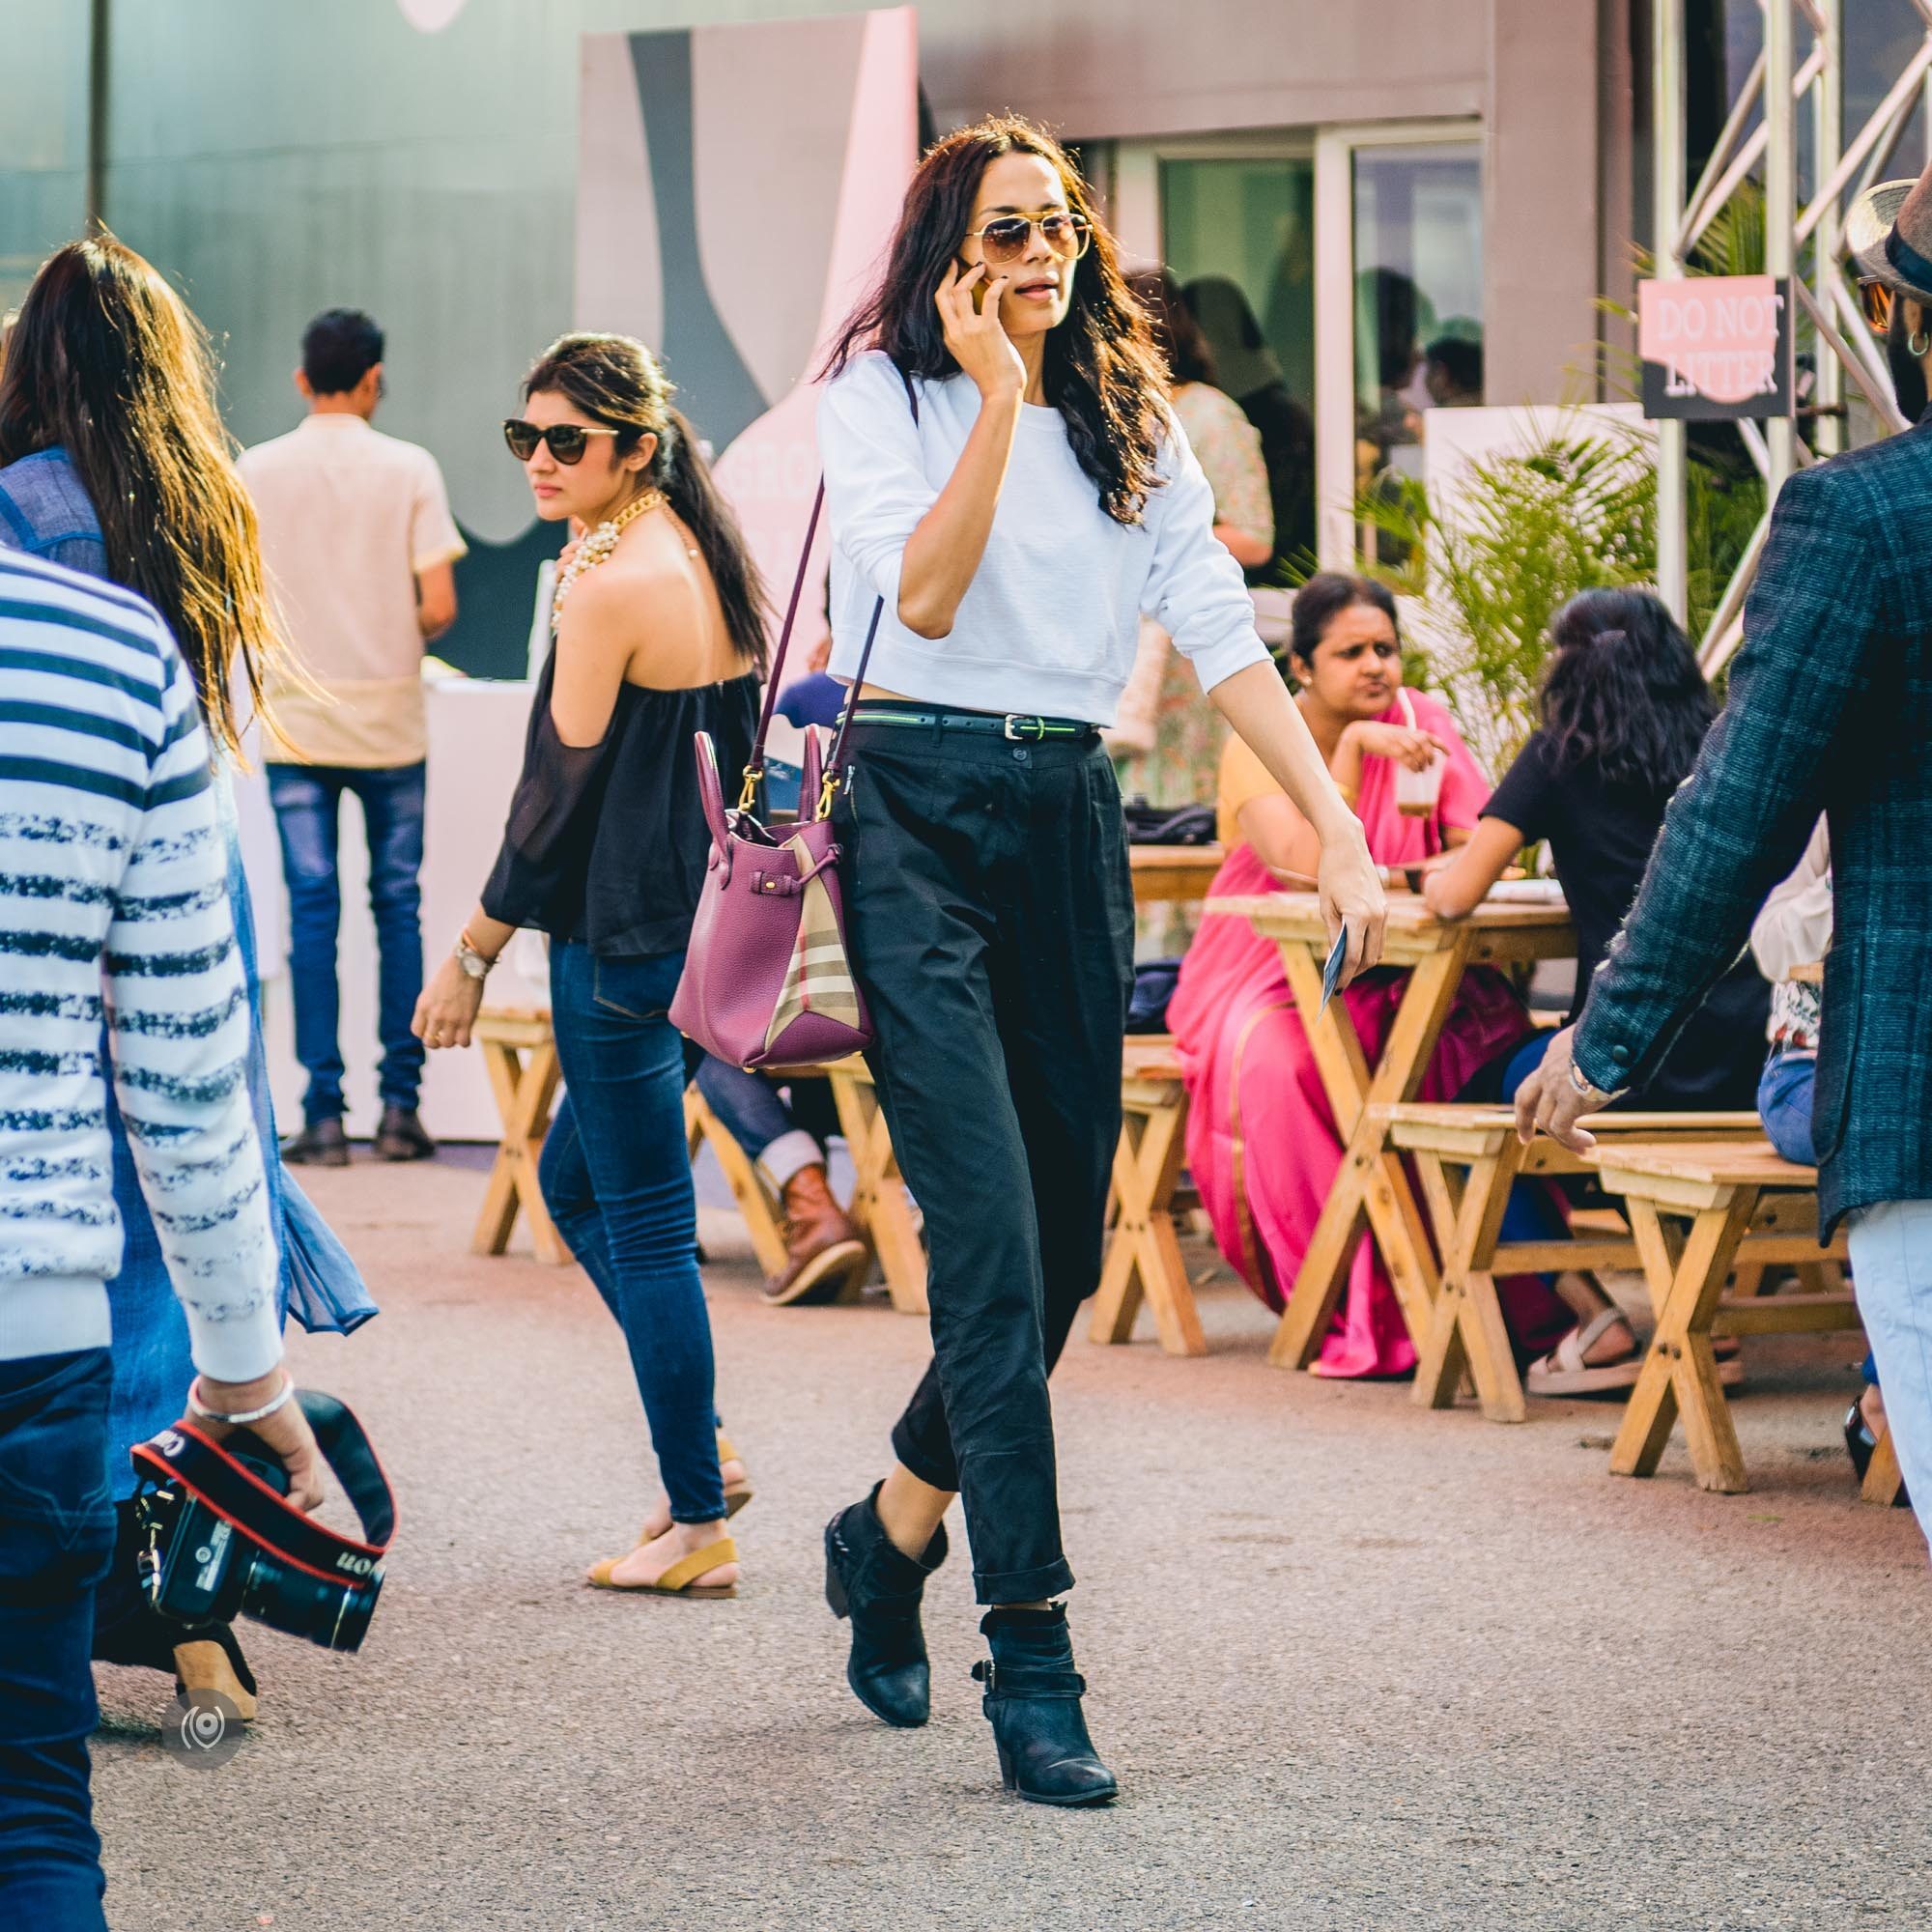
(448,1007)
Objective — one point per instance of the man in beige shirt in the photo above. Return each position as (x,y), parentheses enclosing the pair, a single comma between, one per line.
(361,548)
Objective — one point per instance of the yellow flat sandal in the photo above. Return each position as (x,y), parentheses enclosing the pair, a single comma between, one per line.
(736,1495)
(681,1578)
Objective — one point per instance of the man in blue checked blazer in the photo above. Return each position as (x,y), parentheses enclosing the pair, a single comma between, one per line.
(1829,710)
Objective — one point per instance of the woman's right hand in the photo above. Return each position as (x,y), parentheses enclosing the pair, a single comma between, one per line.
(1350,888)
(447,1009)
(976,337)
(1416,750)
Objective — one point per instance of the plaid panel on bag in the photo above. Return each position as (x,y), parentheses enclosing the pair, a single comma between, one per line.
(819,978)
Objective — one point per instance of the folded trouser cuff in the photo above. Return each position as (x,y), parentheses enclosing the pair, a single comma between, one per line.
(791,1153)
(1023,1587)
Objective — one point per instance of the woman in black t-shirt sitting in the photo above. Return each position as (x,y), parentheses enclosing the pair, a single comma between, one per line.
(1624,709)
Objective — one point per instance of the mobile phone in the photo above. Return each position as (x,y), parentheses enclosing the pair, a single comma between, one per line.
(979,291)
(1331,974)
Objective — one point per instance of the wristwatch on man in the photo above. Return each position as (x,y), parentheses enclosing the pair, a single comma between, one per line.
(476,964)
(1588,1090)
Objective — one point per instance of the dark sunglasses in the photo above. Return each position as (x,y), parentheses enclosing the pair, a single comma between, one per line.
(1005,240)
(567,441)
(1876,301)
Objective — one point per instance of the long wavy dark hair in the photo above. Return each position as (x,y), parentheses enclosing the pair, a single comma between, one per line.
(1102,371)
(615,381)
(1622,691)
(105,360)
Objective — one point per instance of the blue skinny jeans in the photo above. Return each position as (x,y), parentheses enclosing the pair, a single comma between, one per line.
(616,1178)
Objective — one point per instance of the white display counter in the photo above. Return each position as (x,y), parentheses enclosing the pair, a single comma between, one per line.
(475,750)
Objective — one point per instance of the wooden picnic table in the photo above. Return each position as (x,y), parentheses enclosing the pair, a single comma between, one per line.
(1173,871)
(1743,1208)
(1370,1188)
(1468,1158)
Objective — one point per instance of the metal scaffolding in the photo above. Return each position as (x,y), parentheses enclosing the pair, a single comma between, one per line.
(1803,240)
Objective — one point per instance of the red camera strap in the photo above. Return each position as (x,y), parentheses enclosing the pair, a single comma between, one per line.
(210,1474)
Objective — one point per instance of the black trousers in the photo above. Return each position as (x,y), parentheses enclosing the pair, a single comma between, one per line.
(990,913)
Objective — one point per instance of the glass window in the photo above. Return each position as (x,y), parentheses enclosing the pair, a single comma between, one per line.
(1239,236)
(1418,294)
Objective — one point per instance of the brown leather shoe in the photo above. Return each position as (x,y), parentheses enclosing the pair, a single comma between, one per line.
(824,1256)
(402,1136)
(320,1144)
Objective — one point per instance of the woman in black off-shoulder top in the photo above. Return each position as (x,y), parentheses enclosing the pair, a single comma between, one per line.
(657,622)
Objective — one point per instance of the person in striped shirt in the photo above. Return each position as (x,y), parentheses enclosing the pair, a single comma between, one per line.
(113,905)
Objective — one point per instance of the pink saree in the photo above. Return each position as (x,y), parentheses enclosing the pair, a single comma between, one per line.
(1262,1141)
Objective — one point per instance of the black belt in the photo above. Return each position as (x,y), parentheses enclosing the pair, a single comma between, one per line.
(1018,727)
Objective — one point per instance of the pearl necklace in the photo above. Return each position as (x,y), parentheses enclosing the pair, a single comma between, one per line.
(594,547)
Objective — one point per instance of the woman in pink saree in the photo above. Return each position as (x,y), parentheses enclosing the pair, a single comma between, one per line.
(1262,1141)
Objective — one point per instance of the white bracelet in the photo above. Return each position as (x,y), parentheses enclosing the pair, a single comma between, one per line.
(246,1416)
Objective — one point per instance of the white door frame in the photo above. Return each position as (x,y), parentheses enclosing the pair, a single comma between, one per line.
(1335,533)
(1136,218)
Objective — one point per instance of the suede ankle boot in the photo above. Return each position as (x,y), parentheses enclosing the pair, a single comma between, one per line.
(1033,1701)
(870,1579)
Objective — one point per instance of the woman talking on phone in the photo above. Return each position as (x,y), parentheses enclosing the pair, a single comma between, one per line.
(1009,486)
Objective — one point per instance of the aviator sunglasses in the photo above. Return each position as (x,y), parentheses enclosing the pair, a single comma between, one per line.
(1875,299)
(1003,240)
(567,441)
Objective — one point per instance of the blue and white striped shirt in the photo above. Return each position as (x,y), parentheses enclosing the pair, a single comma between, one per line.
(114,903)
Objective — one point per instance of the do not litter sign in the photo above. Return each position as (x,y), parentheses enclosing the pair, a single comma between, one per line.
(1716,347)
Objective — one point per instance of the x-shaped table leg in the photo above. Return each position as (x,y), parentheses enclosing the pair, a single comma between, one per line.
(879,1207)
(1466,1330)
(1680,1373)
(741,1176)
(523,1090)
(1370,1187)
(1143,1252)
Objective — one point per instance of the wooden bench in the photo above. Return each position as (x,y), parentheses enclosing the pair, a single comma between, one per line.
(519,1052)
(879,1209)
(1741,1206)
(1468,1158)
(1142,1258)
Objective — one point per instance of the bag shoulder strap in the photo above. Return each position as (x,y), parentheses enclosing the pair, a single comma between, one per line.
(755,769)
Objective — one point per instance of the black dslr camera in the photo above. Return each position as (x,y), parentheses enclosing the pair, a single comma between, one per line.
(219,1542)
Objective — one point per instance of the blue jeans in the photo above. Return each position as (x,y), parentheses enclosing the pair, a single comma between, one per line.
(783,1132)
(1531,1212)
(1784,1091)
(56,1538)
(308,812)
(616,1178)
(1891,1263)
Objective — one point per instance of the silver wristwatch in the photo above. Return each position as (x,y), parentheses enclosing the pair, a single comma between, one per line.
(1587,1089)
(471,960)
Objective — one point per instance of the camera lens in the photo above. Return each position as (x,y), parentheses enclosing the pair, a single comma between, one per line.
(322,1611)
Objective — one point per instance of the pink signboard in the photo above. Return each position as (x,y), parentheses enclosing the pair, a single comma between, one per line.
(1715,347)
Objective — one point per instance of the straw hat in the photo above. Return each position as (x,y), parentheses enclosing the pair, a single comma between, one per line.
(1888,233)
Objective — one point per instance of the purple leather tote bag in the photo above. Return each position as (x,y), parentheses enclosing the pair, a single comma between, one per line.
(767,984)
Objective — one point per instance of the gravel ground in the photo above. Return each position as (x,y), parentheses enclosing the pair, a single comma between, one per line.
(1357,1665)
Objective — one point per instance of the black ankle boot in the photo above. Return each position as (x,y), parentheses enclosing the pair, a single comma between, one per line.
(1033,1700)
(870,1579)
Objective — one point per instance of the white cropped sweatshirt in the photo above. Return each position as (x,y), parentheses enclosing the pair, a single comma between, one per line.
(1049,623)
